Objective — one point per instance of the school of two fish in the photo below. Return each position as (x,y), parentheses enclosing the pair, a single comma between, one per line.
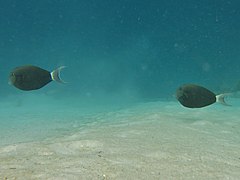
(30,77)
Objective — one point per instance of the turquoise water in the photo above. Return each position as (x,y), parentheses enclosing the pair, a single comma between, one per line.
(117,116)
(35,117)
(149,140)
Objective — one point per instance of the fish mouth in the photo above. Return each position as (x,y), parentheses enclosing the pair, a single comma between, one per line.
(181,96)
(179,93)
(11,79)
(182,99)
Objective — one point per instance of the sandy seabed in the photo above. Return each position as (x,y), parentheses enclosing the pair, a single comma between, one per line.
(158,140)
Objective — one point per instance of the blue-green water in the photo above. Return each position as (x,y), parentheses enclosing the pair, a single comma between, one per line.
(124,59)
(148,48)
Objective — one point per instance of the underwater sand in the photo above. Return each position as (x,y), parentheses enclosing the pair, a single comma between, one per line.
(152,140)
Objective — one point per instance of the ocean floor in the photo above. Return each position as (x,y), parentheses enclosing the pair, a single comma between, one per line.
(151,140)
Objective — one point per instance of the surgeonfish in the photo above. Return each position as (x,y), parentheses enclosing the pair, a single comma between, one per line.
(195,96)
(30,77)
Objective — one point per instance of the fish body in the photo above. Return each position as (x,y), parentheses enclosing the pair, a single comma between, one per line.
(32,77)
(195,96)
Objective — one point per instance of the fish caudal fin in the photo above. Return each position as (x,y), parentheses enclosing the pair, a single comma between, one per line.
(56,74)
(220,99)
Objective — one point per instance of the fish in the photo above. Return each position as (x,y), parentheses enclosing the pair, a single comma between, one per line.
(29,77)
(196,96)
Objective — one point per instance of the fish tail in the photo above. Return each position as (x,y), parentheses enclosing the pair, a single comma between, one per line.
(56,74)
(220,99)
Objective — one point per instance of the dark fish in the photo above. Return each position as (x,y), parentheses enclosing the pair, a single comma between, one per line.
(194,96)
(32,77)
